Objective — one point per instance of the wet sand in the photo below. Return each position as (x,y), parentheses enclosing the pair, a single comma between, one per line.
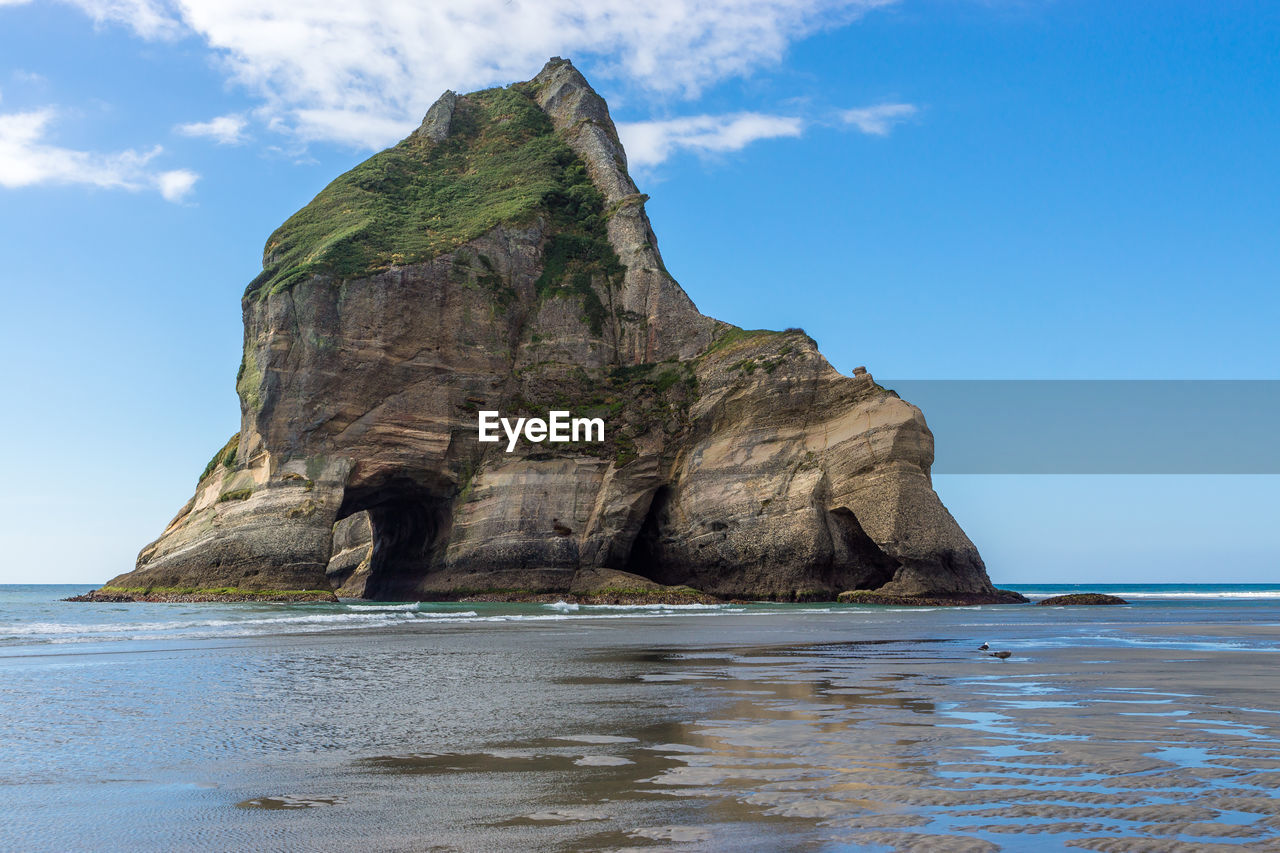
(1130,731)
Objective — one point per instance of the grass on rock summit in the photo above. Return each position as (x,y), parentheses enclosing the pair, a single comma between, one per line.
(502,164)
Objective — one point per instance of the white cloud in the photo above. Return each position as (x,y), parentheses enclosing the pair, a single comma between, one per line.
(359,127)
(176,184)
(147,18)
(27,159)
(880,119)
(225,130)
(648,143)
(364,71)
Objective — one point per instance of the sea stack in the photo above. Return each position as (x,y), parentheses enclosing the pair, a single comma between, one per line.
(499,259)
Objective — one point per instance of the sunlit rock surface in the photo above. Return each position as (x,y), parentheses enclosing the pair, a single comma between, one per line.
(500,259)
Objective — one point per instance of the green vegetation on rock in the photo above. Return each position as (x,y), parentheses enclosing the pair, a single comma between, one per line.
(572,262)
(735,336)
(502,163)
(1081,598)
(249,380)
(226,457)
(231,592)
(634,400)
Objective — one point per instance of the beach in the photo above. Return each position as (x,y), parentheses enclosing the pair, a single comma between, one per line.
(562,727)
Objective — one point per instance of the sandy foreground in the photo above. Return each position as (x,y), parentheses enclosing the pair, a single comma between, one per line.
(531,727)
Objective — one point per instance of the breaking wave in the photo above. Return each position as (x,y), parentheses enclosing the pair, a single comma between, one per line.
(130,622)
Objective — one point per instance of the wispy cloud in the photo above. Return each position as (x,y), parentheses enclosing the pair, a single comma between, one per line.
(649,143)
(148,18)
(224,130)
(880,119)
(28,159)
(363,72)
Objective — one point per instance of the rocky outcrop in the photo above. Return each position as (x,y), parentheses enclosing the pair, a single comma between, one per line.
(1078,598)
(351,555)
(869,597)
(501,259)
(439,119)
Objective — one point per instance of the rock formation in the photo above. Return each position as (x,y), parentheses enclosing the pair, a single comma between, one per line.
(500,258)
(1080,598)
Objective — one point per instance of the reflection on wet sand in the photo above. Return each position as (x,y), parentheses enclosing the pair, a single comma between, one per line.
(903,745)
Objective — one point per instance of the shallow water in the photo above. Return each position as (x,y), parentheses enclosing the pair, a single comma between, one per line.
(762,727)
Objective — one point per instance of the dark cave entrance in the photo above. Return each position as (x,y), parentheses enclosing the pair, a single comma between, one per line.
(857,562)
(410,525)
(646,555)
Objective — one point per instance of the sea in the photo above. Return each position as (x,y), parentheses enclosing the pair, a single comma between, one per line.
(1153,726)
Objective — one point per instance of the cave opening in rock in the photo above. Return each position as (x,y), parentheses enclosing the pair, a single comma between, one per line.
(857,561)
(646,555)
(410,525)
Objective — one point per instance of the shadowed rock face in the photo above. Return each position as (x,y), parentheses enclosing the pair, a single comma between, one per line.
(400,303)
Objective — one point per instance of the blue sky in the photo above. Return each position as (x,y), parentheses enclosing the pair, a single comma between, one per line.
(936,190)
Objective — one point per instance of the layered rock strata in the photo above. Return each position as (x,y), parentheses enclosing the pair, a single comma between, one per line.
(500,258)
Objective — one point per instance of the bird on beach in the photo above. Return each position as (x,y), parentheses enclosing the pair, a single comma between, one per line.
(983,647)
(1002,655)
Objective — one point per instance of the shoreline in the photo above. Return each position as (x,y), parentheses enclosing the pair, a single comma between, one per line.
(108,595)
(670,596)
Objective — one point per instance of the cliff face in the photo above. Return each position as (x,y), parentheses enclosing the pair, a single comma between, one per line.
(500,259)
